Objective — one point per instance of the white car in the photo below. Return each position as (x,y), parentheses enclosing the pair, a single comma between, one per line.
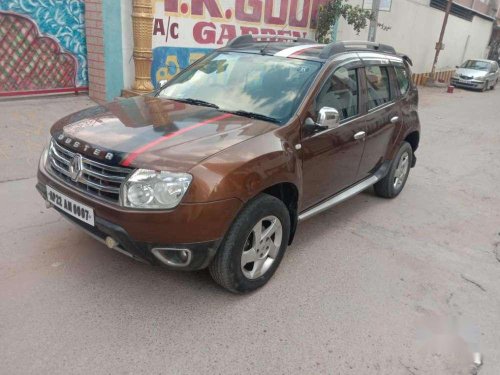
(477,74)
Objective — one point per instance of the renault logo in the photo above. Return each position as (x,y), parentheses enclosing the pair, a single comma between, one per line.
(75,167)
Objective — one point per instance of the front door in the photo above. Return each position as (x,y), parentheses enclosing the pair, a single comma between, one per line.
(330,158)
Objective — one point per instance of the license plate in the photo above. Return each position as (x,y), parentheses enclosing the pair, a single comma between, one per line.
(463,81)
(70,206)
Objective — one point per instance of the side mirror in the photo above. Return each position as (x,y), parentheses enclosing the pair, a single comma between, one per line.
(161,83)
(328,118)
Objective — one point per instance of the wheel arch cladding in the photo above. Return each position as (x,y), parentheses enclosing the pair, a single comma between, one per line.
(413,139)
(288,193)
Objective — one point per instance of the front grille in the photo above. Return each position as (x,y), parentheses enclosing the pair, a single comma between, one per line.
(465,77)
(96,179)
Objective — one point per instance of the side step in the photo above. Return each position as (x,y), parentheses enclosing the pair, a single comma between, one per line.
(347,193)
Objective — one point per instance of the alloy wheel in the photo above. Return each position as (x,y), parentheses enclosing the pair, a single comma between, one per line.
(401,171)
(261,247)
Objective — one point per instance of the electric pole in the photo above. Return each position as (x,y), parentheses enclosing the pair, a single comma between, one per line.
(439,45)
(372,29)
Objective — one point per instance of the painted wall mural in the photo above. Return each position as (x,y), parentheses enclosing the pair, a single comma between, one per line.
(43,45)
(185,30)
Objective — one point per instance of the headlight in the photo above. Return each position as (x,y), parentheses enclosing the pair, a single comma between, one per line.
(480,79)
(155,190)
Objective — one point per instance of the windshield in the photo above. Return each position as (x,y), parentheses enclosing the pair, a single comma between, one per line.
(477,65)
(256,84)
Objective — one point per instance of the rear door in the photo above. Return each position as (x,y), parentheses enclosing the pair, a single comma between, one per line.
(382,118)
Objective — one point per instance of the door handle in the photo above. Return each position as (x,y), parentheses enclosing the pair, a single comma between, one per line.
(395,119)
(359,135)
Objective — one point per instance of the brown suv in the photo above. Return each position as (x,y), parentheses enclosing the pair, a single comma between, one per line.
(217,167)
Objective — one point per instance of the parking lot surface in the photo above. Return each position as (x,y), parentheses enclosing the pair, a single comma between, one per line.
(373,286)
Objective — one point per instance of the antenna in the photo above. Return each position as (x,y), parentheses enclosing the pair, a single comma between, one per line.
(263,50)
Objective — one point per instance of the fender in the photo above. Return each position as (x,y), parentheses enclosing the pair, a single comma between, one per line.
(246,169)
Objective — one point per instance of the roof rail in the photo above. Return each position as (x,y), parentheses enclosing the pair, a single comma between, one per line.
(252,38)
(354,45)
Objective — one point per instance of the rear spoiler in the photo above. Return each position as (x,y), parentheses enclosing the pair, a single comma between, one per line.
(406,58)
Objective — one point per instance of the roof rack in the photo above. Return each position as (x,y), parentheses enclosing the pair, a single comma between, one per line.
(252,38)
(354,45)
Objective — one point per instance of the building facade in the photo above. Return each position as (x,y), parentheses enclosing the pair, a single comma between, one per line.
(89,44)
(416,24)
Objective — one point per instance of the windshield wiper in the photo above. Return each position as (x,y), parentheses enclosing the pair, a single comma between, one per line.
(195,102)
(254,115)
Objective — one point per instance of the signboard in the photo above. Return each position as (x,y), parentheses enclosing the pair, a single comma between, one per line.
(185,30)
(385,5)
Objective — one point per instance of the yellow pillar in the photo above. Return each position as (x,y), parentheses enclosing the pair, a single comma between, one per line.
(142,26)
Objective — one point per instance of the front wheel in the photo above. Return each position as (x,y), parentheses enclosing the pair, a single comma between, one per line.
(254,245)
(392,184)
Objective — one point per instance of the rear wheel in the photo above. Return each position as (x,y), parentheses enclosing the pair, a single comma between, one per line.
(254,245)
(392,184)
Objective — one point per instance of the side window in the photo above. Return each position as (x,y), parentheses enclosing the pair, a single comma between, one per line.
(377,78)
(340,92)
(403,79)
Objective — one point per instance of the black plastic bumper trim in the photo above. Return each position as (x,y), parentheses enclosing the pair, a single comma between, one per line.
(202,252)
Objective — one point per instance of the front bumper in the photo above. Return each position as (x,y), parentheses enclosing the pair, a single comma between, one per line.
(469,84)
(198,227)
(202,252)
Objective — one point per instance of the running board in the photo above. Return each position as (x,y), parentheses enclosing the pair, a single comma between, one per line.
(345,194)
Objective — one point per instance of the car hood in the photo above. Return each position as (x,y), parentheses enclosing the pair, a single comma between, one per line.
(471,72)
(154,133)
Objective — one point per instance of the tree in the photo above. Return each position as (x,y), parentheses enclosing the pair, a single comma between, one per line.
(330,13)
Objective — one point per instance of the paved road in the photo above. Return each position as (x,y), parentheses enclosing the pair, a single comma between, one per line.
(408,286)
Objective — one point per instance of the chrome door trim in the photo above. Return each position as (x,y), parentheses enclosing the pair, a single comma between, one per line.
(382,106)
(346,122)
(394,119)
(360,135)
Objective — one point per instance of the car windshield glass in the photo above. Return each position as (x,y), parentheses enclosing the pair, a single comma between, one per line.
(477,65)
(268,87)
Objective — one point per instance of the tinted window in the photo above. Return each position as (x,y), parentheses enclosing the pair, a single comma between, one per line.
(340,92)
(403,80)
(378,86)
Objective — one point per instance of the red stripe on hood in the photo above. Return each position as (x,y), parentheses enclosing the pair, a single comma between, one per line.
(134,154)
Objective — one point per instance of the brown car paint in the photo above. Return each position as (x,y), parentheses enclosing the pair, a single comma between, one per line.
(232,158)
(127,125)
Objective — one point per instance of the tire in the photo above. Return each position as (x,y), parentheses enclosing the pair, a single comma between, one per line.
(387,187)
(493,85)
(485,87)
(236,272)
